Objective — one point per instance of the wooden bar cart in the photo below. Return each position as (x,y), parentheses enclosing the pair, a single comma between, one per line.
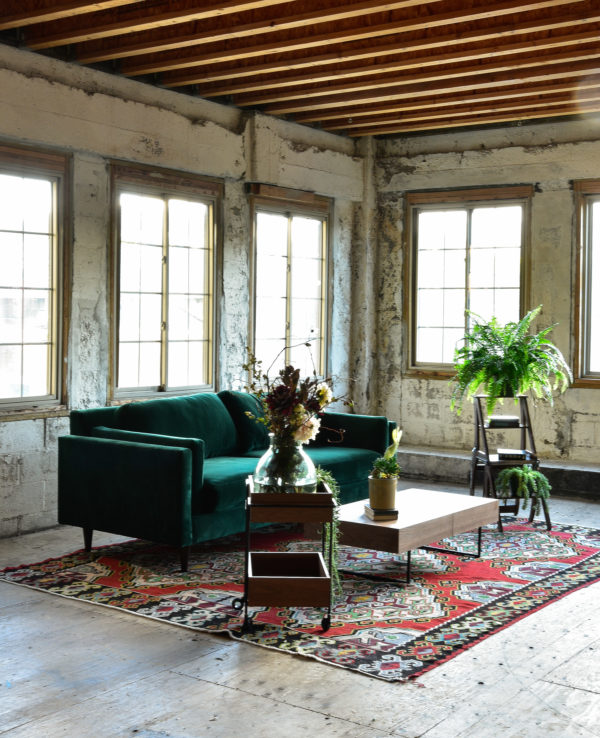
(287,578)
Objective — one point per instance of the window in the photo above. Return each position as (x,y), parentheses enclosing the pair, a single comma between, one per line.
(467,254)
(32,185)
(290,283)
(587,329)
(164,265)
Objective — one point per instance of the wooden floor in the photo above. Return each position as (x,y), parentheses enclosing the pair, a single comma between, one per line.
(72,669)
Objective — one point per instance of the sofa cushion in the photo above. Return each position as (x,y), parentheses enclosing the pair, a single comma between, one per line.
(191,416)
(252,435)
(224,487)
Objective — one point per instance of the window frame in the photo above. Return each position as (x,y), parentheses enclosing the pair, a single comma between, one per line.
(54,166)
(585,193)
(417,201)
(162,183)
(290,202)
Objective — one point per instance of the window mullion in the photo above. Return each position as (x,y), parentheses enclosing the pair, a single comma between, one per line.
(164,325)
(288,292)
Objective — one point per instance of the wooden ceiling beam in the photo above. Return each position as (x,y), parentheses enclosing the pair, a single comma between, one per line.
(173,60)
(449,69)
(109,23)
(343,117)
(22,13)
(532,114)
(484,81)
(188,34)
(345,53)
(470,110)
(403,62)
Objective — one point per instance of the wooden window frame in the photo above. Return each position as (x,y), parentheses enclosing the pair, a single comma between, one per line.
(57,166)
(286,201)
(163,183)
(521,194)
(585,191)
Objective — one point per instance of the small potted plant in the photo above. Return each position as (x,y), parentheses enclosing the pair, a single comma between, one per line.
(524,483)
(508,360)
(384,476)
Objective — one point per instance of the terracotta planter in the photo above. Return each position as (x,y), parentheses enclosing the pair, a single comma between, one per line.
(382,493)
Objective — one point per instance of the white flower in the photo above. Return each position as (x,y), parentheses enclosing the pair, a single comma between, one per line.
(308,430)
(324,394)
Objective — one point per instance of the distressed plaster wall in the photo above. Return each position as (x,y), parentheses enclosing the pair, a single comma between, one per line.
(548,156)
(96,117)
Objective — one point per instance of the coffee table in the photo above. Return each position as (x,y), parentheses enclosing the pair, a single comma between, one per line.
(424,516)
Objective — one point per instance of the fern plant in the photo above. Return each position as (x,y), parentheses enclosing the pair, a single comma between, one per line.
(525,483)
(508,360)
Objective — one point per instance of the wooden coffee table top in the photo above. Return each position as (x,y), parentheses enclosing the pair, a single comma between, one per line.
(424,516)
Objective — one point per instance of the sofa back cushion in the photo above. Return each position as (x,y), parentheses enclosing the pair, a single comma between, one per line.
(192,416)
(252,436)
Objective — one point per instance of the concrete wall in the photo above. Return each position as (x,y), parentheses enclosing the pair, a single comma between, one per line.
(548,156)
(97,117)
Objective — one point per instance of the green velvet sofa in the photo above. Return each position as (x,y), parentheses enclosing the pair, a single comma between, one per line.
(173,470)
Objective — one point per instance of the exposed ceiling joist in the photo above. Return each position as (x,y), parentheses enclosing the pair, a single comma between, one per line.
(359,67)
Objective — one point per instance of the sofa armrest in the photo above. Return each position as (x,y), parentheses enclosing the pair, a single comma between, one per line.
(371,432)
(196,446)
(133,489)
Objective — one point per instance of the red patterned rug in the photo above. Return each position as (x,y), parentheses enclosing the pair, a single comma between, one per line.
(379,625)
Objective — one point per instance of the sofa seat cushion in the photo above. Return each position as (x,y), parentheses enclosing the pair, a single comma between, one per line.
(224,484)
(252,435)
(191,416)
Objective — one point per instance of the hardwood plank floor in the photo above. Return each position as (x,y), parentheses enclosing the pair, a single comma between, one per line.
(71,669)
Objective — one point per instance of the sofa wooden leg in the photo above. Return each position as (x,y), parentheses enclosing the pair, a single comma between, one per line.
(87,538)
(184,557)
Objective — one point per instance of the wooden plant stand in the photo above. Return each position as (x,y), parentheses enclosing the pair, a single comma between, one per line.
(282,578)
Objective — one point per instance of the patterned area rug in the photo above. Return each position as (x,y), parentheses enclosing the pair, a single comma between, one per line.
(380,626)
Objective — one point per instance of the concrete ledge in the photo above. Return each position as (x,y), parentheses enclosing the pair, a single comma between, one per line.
(567,478)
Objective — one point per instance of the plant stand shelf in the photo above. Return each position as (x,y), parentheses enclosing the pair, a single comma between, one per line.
(285,579)
(487,463)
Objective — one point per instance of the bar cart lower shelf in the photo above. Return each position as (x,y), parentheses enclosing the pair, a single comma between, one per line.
(287,578)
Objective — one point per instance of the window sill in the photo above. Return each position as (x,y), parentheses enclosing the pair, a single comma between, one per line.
(586,383)
(37,413)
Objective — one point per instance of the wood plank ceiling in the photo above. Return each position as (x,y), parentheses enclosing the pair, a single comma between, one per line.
(348,66)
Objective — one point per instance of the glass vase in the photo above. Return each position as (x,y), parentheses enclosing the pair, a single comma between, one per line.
(285,467)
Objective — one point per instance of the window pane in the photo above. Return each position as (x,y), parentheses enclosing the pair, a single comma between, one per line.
(12,197)
(305,320)
(187,223)
(129,358)
(430,308)
(178,368)
(35,370)
(141,219)
(306,237)
(10,376)
(430,269)
(36,316)
(271,234)
(37,252)
(270,318)
(11,316)
(11,259)
(430,345)
(498,227)
(178,270)
(129,273)
(129,318)
(150,268)
(178,317)
(198,271)
(306,278)
(37,214)
(150,317)
(269,351)
(149,371)
(271,275)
